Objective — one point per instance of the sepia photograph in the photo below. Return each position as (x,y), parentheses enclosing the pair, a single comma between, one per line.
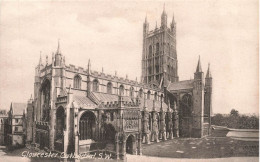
(135,80)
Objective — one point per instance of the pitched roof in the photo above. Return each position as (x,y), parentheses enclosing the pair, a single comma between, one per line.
(84,102)
(18,108)
(103,97)
(175,86)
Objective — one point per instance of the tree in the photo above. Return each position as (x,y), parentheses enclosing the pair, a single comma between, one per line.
(234,112)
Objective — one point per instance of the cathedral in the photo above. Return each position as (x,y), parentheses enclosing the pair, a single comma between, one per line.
(76,110)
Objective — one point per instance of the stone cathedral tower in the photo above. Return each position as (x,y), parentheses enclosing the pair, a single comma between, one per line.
(159,58)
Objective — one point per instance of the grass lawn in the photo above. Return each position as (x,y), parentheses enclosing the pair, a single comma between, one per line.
(213,146)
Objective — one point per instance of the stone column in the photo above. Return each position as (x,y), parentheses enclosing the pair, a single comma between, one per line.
(76,131)
(146,131)
(163,125)
(155,127)
(99,124)
(52,128)
(117,146)
(139,150)
(170,125)
(176,113)
(175,121)
(124,149)
(66,132)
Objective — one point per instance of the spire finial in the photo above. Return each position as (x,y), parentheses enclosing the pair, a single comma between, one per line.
(164,13)
(198,66)
(115,73)
(173,21)
(40,61)
(156,25)
(102,69)
(58,49)
(89,64)
(46,59)
(208,75)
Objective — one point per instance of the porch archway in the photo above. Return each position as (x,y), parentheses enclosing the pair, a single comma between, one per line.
(130,144)
(87,126)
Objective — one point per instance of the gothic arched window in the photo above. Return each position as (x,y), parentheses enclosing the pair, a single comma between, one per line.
(121,90)
(95,86)
(150,51)
(155,96)
(148,95)
(109,88)
(186,99)
(157,48)
(77,82)
(141,93)
(131,92)
(45,100)
(161,97)
(186,104)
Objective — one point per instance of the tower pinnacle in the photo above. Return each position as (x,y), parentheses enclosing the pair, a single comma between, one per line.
(40,61)
(58,49)
(198,66)
(89,64)
(208,75)
(164,18)
(173,20)
(164,9)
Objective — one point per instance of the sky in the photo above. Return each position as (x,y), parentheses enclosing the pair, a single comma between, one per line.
(109,33)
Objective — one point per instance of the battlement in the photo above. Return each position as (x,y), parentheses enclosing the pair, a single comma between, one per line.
(116,104)
(102,75)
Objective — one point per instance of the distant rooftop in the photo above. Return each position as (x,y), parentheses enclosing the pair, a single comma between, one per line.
(186,84)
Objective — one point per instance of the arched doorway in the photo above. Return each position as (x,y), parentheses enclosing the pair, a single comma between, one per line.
(130,144)
(87,126)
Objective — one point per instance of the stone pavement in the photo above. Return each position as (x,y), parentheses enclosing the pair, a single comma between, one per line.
(136,158)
